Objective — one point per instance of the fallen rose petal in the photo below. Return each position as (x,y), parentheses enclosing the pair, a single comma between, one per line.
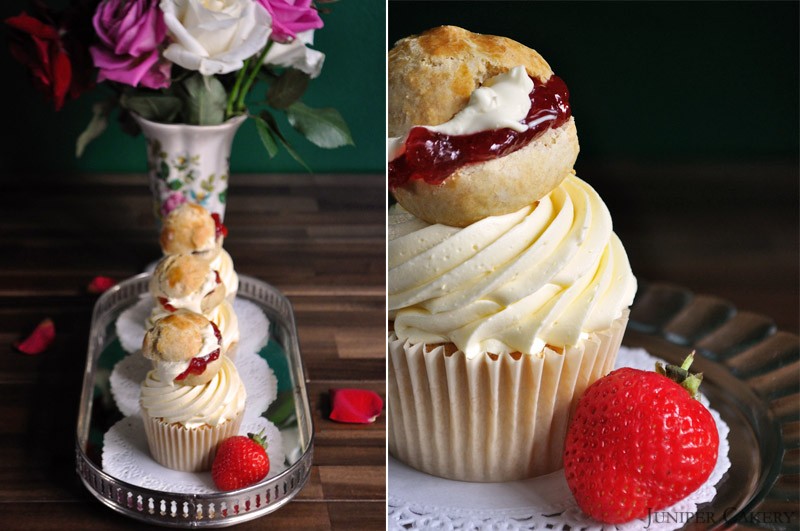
(39,340)
(100,284)
(356,406)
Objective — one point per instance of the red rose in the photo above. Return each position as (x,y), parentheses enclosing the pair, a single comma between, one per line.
(38,46)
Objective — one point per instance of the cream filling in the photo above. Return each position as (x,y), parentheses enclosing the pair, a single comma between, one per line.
(212,403)
(503,101)
(223,263)
(547,274)
(192,302)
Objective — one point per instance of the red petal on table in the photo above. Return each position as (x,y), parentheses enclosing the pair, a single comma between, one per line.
(100,284)
(357,406)
(39,340)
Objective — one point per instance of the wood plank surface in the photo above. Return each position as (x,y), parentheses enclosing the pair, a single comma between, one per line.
(319,239)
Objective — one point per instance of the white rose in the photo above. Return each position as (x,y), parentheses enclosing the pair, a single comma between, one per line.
(297,54)
(215,36)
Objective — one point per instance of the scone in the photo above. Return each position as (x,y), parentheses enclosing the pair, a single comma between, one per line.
(193,399)
(448,162)
(186,282)
(191,229)
(503,317)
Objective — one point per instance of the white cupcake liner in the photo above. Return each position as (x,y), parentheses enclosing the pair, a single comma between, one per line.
(490,418)
(187,449)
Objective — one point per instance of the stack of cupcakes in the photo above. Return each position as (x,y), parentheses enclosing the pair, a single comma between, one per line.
(508,290)
(193,398)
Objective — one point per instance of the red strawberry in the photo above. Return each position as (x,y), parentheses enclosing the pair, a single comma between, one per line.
(240,462)
(639,442)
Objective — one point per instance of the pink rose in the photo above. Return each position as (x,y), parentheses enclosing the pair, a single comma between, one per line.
(131,32)
(290,17)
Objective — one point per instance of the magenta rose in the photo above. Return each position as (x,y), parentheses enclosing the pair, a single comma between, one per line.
(290,17)
(131,33)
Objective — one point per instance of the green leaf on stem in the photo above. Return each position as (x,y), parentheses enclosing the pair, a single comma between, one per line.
(205,100)
(276,134)
(100,112)
(160,108)
(323,127)
(287,89)
(266,137)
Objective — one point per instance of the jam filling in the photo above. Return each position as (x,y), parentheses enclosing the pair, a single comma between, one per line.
(198,364)
(432,156)
(219,228)
(166,305)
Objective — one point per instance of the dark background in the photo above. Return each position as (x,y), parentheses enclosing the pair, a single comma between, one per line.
(687,116)
(352,81)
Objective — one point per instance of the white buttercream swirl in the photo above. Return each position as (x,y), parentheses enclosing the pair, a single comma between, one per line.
(227,321)
(547,274)
(212,403)
(223,264)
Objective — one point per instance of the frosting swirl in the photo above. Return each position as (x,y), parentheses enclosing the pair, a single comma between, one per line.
(212,403)
(227,321)
(547,274)
(223,264)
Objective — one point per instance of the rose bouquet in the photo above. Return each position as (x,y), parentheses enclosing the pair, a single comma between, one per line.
(182,61)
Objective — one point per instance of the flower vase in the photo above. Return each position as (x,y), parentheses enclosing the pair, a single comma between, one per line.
(189,163)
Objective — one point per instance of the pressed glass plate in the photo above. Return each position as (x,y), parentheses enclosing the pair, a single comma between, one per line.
(751,375)
(290,413)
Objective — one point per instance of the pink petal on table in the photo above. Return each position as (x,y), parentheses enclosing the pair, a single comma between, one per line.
(356,406)
(39,340)
(100,284)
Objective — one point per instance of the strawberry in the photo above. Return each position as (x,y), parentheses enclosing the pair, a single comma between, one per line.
(639,441)
(240,462)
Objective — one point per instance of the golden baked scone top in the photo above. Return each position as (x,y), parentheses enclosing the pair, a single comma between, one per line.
(432,75)
(176,337)
(187,229)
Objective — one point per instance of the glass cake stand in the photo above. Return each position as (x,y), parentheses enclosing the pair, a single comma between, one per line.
(290,413)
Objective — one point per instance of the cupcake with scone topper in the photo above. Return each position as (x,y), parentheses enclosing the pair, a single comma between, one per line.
(193,398)
(508,290)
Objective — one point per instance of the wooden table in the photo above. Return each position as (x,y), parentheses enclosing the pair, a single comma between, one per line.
(320,239)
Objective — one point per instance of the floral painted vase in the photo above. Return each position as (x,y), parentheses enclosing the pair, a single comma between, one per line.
(189,163)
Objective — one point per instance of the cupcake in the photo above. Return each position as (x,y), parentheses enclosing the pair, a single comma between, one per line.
(193,399)
(508,290)
(191,229)
(186,282)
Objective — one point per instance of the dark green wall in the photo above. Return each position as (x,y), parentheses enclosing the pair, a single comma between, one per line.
(352,81)
(653,79)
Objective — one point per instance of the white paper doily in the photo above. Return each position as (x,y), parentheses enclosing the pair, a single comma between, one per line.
(127,457)
(253,325)
(421,501)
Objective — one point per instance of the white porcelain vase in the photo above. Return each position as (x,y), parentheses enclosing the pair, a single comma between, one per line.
(189,163)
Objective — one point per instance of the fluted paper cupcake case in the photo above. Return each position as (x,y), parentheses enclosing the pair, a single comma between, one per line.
(490,418)
(187,449)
